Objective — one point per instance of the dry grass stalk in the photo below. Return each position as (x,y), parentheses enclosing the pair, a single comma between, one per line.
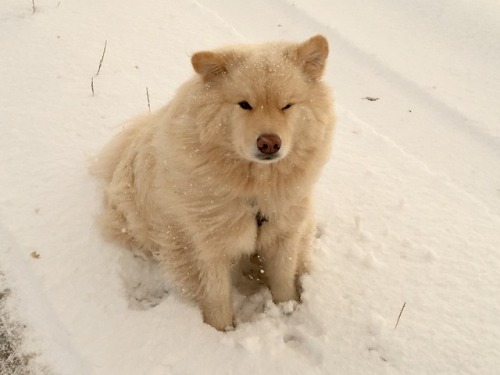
(399,317)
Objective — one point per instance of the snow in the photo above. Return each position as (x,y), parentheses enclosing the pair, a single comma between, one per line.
(408,207)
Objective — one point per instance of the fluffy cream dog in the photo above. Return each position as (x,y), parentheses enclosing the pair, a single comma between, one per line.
(226,170)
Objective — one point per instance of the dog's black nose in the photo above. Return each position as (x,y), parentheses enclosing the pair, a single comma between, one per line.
(269,144)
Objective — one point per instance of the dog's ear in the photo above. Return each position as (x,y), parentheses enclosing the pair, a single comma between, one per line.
(209,64)
(312,55)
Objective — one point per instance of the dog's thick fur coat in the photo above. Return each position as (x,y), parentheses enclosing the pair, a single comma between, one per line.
(189,184)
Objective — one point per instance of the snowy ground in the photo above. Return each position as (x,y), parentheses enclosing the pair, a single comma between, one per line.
(409,206)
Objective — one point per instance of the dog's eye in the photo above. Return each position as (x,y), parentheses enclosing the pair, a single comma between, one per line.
(286,107)
(245,105)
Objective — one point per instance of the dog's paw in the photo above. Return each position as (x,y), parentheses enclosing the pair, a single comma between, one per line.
(288,307)
(144,282)
(220,319)
(144,296)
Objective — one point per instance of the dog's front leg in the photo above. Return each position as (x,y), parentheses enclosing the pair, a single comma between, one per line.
(285,243)
(215,293)
(280,260)
(228,233)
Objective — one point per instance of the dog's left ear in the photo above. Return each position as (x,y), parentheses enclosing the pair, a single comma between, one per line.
(209,64)
(312,56)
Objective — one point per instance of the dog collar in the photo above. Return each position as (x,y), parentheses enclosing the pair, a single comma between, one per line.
(261,219)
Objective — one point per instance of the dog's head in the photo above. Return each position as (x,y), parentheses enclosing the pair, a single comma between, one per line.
(260,99)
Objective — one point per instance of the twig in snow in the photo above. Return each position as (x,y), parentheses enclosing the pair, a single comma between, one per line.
(99,68)
(399,317)
(102,58)
(147,96)
(33,6)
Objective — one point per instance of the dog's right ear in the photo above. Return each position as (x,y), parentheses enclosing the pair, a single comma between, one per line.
(209,64)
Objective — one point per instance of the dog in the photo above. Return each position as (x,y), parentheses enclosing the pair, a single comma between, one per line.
(226,170)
